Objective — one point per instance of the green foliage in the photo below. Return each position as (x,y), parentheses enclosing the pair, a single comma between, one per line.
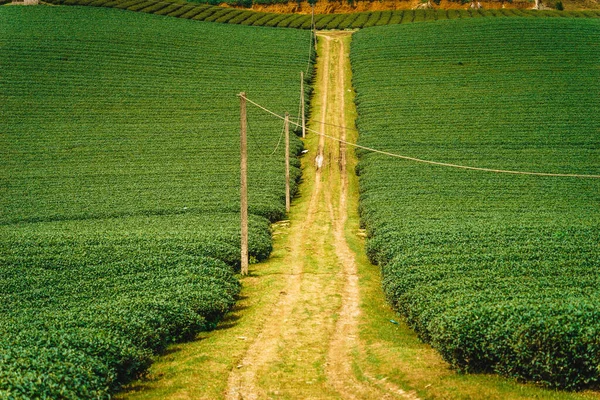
(274,21)
(453,14)
(347,20)
(559,5)
(221,14)
(85,304)
(334,22)
(287,21)
(177,11)
(397,17)
(360,20)
(119,222)
(107,157)
(238,19)
(301,21)
(420,15)
(321,21)
(252,18)
(441,14)
(385,18)
(265,19)
(206,14)
(498,272)
(305,22)
(192,12)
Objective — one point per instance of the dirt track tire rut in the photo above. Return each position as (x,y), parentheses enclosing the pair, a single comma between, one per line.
(309,345)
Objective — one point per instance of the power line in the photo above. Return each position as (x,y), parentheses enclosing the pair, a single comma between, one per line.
(299,112)
(279,141)
(335,125)
(419,160)
(310,44)
(255,141)
(328,124)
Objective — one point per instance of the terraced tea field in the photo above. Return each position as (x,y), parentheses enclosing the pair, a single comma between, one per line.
(498,272)
(211,13)
(119,212)
(120,172)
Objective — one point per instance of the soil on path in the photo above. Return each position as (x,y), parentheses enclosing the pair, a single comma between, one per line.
(308,346)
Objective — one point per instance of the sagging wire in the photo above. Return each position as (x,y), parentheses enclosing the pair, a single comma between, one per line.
(442,164)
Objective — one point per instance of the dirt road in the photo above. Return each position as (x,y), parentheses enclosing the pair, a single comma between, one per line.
(308,346)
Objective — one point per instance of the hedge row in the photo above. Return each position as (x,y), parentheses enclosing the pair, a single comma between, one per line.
(85,305)
(499,272)
(213,13)
(119,220)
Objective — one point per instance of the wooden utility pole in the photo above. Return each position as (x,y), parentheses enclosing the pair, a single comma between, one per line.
(244,183)
(302,103)
(287,162)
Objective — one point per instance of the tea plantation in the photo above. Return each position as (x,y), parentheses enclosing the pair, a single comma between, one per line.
(500,273)
(120,173)
(212,13)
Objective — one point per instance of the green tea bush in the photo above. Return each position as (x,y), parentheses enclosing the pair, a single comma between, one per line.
(275,20)
(119,220)
(208,13)
(334,23)
(265,19)
(220,14)
(441,14)
(397,17)
(304,22)
(192,12)
(347,20)
(154,8)
(225,18)
(360,20)
(179,11)
(253,18)
(140,6)
(287,21)
(385,18)
(238,19)
(373,18)
(498,272)
(114,315)
(321,21)
(99,3)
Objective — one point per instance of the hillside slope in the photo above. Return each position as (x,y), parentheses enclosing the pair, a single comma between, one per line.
(119,221)
(499,272)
